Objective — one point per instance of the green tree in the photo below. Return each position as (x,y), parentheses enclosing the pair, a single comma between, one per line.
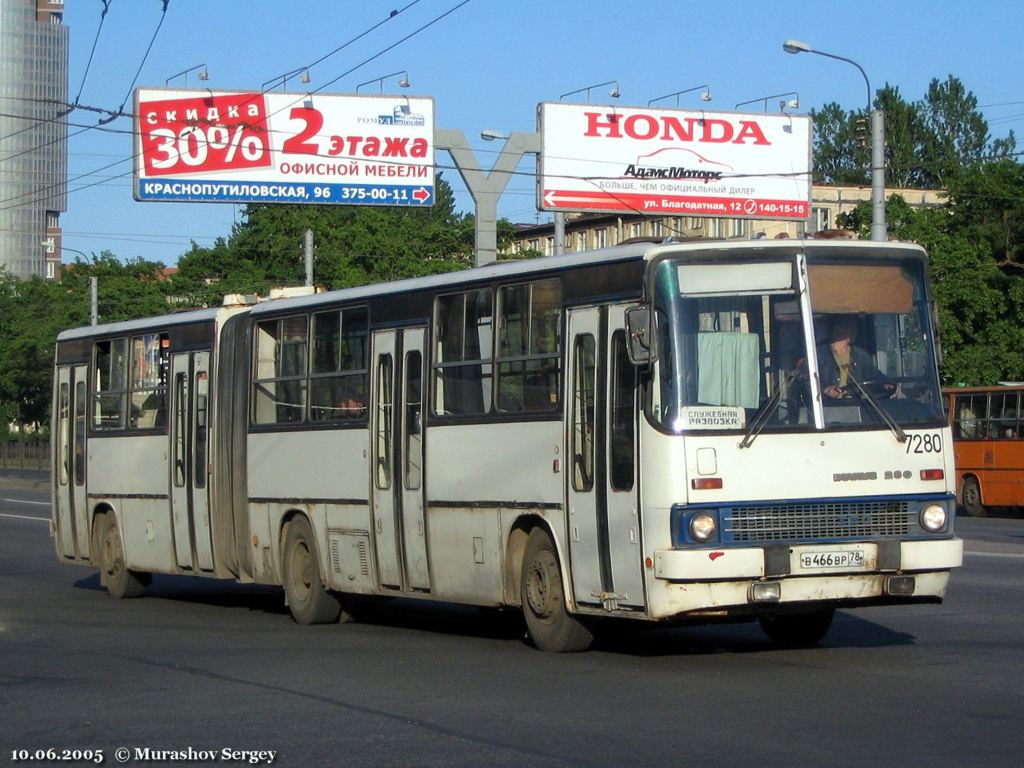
(839,156)
(904,135)
(126,289)
(974,244)
(31,314)
(354,245)
(954,131)
(926,141)
(986,202)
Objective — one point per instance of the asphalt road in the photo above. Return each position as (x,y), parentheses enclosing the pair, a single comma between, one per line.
(205,665)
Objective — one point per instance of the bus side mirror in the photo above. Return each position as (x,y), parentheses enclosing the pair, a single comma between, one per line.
(640,344)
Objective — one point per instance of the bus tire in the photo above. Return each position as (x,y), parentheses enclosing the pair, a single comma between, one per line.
(797,630)
(970,497)
(309,600)
(548,622)
(121,583)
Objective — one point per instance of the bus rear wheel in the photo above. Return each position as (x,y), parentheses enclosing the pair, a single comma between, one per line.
(309,600)
(120,582)
(797,630)
(549,624)
(970,497)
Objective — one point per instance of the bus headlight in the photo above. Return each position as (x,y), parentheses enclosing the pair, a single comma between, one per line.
(703,527)
(933,517)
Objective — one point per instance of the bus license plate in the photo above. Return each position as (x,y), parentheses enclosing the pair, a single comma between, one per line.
(835,558)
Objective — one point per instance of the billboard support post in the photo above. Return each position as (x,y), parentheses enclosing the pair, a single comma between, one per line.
(486,188)
(308,253)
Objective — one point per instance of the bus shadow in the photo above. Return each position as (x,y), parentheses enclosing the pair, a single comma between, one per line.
(622,637)
(619,637)
(847,631)
(997,512)
(400,613)
(443,618)
(202,591)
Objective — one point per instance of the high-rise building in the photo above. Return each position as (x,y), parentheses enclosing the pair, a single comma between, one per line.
(33,135)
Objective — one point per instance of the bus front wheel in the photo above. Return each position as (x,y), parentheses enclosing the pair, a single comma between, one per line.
(114,573)
(970,497)
(308,599)
(549,624)
(797,630)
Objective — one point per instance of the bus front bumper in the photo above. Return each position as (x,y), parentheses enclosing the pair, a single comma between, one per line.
(754,580)
(784,561)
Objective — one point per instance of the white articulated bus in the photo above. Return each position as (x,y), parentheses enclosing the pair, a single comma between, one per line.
(653,431)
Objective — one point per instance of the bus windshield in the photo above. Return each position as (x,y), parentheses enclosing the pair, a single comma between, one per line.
(734,346)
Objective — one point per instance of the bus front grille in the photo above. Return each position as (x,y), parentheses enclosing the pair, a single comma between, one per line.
(816,520)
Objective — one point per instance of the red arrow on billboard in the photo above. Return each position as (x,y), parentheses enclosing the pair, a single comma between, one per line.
(555,197)
(421,195)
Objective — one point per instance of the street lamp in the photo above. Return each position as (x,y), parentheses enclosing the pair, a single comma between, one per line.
(203,74)
(614,92)
(402,83)
(282,80)
(878,229)
(783,103)
(94,315)
(706,96)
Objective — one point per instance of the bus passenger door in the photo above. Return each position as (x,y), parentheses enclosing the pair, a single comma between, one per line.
(587,521)
(189,451)
(72,512)
(382,466)
(622,491)
(199,415)
(397,482)
(603,519)
(414,534)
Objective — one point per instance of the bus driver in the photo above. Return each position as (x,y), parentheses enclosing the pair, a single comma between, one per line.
(841,358)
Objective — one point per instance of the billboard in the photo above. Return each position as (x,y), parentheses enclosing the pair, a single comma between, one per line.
(243,147)
(675,162)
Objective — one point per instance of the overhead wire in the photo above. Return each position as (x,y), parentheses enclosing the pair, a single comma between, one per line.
(145,56)
(67,108)
(92,52)
(346,44)
(111,114)
(594,179)
(120,111)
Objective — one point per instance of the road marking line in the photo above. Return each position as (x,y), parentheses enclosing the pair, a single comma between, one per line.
(995,554)
(26,501)
(25,517)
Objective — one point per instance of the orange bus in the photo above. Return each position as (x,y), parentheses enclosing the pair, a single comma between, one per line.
(988,445)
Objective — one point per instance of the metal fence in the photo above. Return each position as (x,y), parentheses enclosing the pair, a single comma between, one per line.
(25,458)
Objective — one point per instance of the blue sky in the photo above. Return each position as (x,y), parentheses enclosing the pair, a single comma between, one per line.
(490,62)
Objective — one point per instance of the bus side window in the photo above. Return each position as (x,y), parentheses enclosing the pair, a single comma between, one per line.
(584,412)
(80,419)
(385,371)
(111,361)
(64,433)
(623,416)
(1003,423)
(965,424)
(462,361)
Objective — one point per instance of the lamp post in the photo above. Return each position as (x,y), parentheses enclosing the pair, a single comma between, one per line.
(783,104)
(282,80)
(402,83)
(878,228)
(203,75)
(614,92)
(706,96)
(94,314)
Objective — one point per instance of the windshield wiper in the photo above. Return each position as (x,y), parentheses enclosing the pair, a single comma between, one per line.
(766,411)
(901,436)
